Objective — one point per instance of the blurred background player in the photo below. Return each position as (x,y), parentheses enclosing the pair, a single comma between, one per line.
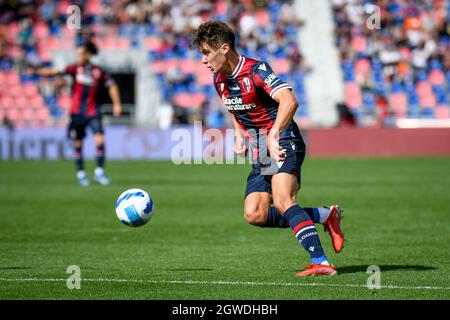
(88,80)
(263,106)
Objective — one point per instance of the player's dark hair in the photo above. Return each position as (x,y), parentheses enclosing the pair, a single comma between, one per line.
(213,33)
(90,47)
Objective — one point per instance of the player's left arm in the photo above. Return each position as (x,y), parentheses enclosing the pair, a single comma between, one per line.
(286,110)
(114,93)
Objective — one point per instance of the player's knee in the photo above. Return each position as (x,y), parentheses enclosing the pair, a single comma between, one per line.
(99,138)
(255,215)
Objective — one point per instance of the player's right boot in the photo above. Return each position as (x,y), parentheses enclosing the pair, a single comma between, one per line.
(101,177)
(317,270)
(333,226)
(82,178)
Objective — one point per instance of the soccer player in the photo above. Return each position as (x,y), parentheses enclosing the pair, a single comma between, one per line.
(262,107)
(88,79)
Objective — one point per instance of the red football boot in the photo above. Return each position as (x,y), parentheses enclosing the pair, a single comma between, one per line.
(333,225)
(317,270)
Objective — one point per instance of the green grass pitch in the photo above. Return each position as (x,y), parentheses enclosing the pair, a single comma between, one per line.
(198,246)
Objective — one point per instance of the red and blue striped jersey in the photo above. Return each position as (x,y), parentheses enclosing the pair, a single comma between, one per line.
(87,80)
(248,93)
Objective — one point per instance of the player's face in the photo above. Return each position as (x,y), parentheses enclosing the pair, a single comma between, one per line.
(83,56)
(214,59)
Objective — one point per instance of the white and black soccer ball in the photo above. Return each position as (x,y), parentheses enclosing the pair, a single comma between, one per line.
(134,207)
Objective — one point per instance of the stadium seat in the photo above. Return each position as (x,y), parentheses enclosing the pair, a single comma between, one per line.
(30,89)
(152,43)
(398,102)
(21,102)
(281,66)
(427,101)
(442,112)
(359,44)
(93,7)
(362,67)
(437,77)
(40,30)
(424,89)
(263,18)
(187,66)
(12,78)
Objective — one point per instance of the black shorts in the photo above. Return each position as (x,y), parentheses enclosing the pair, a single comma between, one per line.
(78,124)
(260,178)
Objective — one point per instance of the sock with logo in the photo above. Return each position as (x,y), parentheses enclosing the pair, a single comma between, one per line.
(100,152)
(305,232)
(78,156)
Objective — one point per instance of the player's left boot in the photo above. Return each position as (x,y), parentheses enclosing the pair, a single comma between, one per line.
(317,270)
(333,226)
(101,177)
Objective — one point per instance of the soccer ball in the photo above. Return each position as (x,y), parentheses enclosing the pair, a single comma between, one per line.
(134,207)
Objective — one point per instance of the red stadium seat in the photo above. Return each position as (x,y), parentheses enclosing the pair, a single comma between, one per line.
(42,114)
(399,103)
(93,7)
(182,100)
(13,114)
(7,102)
(12,78)
(442,112)
(37,102)
(220,7)
(22,102)
(187,66)
(40,30)
(353,95)
(14,91)
(152,43)
(61,9)
(427,101)
(30,89)
(281,66)
(157,66)
(362,67)
(263,18)
(64,101)
(437,77)
(359,44)
(424,89)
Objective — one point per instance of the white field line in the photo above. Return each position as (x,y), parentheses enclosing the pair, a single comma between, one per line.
(226,283)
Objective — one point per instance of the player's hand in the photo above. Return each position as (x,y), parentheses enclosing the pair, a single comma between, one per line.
(239,146)
(117,110)
(31,71)
(276,152)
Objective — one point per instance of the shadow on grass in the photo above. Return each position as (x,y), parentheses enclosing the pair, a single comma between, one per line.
(14,268)
(363,268)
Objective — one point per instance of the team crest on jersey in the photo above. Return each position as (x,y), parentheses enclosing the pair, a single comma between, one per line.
(222,85)
(96,73)
(247,85)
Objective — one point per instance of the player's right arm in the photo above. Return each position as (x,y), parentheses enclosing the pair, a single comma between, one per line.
(52,71)
(46,72)
(239,144)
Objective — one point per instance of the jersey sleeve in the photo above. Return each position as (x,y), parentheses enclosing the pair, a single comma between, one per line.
(106,79)
(265,78)
(70,70)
